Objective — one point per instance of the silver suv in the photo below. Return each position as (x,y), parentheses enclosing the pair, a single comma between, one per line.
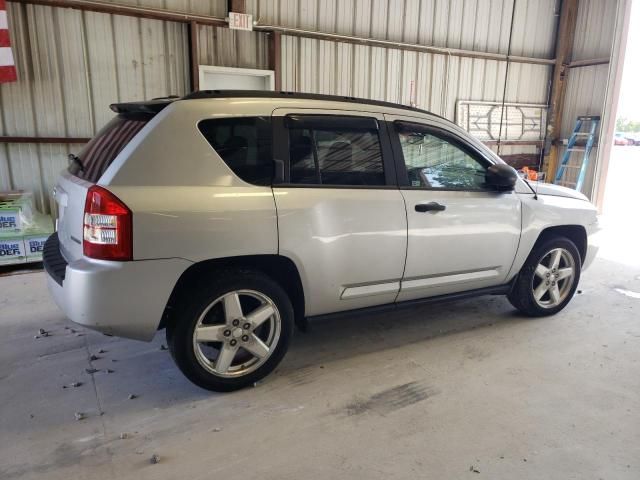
(228,217)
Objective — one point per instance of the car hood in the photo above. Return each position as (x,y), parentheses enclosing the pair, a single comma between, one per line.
(556,191)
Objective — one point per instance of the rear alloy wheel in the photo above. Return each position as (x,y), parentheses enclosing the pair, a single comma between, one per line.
(238,342)
(548,279)
(233,333)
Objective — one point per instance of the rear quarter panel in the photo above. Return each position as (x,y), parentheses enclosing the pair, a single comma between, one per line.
(201,223)
(186,202)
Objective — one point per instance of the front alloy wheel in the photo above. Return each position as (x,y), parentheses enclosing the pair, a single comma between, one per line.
(553,278)
(232,331)
(548,279)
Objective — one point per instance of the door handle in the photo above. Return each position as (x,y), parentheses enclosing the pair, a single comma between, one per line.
(430,207)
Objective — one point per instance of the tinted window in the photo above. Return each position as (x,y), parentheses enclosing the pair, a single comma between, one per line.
(102,149)
(244,144)
(433,161)
(335,156)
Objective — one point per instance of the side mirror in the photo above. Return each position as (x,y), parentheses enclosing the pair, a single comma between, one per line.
(501,177)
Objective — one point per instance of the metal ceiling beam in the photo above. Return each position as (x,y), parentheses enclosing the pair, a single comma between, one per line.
(129,10)
(275,58)
(237,6)
(23,139)
(194,56)
(564,46)
(457,52)
(589,62)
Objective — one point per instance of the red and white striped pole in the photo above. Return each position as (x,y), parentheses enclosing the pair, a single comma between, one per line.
(7,64)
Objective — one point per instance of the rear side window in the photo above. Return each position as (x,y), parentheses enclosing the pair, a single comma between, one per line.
(341,151)
(244,143)
(102,149)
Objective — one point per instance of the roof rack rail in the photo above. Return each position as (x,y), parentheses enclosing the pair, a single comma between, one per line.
(152,107)
(296,95)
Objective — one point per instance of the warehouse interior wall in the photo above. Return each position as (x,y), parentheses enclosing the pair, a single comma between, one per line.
(587,86)
(72,64)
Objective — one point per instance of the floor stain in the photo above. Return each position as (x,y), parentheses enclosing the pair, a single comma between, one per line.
(63,456)
(303,376)
(472,352)
(391,399)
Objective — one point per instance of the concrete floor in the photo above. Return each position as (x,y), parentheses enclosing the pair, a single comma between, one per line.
(431,393)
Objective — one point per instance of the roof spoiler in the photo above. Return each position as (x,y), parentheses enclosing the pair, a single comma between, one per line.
(150,107)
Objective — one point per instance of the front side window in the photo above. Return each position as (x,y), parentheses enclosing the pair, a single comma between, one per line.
(244,143)
(433,161)
(335,155)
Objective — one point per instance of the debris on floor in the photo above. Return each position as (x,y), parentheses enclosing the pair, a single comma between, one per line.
(41,333)
(474,469)
(73,385)
(217,429)
(155,458)
(80,416)
(163,347)
(108,370)
(124,436)
(102,350)
(93,358)
(91,371)
(132,396)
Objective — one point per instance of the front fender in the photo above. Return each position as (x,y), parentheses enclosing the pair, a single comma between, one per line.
(553,211)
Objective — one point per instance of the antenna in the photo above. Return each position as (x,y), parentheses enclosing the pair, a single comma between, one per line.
(540,176)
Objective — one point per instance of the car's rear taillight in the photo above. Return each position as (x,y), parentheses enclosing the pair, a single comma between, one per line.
(108,234)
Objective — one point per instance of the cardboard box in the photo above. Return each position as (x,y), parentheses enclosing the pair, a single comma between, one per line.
(12,251)
(33,246)
(16,212)
(10,221)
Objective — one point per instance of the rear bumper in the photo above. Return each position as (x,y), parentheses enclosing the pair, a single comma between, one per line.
(124,299)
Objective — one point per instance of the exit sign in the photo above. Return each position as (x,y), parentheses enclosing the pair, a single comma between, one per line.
(240,21)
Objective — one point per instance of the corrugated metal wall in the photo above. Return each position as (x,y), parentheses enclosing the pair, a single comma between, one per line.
(481,25)
(430,81)
(586,86)
(73,64)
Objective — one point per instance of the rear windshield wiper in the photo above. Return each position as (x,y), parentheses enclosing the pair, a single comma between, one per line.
(75,164)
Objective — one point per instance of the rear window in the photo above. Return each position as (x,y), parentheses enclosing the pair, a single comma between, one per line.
(102,149)
(244,143)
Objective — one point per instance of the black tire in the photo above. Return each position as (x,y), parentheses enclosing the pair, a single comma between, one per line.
(198,298)
(522,295)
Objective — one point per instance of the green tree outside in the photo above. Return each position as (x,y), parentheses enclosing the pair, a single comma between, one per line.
(625,125)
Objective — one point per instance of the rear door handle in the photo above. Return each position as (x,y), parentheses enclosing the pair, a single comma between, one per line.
(430,207)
